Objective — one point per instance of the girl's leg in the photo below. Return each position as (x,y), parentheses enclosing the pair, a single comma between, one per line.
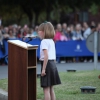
(52,93)
(46,93)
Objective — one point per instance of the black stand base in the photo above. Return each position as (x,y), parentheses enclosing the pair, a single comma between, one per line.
(88,89)
(38,75)
(71,70)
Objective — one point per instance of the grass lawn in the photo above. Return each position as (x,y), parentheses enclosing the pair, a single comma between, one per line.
(70,87)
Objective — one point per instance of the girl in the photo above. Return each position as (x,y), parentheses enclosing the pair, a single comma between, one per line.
(49,73)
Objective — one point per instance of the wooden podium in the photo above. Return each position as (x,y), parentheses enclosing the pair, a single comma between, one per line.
(22,75)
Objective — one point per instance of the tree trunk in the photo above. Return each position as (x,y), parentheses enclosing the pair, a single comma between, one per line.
(19,19)
(29,13)
(36,17)
(48,14)
(30,16)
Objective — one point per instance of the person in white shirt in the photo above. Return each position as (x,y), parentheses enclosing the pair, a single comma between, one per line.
(30,33)
(0,21)
(49,72)
(78,33)
(87,30)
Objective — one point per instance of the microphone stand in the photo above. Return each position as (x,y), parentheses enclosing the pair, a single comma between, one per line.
(30,39)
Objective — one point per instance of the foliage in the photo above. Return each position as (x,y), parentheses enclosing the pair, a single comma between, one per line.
(11,14)
(42,17)
(94,9)
(47,9)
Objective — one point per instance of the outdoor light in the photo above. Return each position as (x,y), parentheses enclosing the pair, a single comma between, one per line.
(88,89)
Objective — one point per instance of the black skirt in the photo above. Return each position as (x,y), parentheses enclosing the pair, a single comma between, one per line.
(52,77)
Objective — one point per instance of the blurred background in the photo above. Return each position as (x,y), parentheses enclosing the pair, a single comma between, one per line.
(34,12)
(73,20)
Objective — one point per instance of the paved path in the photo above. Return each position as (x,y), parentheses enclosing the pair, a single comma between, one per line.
(61,68)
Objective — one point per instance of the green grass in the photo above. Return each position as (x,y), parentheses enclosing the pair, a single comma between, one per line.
(70,87)
(4,84)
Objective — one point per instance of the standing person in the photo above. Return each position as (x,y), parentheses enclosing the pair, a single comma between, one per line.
(35,32)
(58,33)
(87,30)
(49,72)
(78,33)
(11,34)
(0,21)
(64,28)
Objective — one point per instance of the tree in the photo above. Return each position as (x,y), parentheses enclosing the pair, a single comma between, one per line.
(52,10)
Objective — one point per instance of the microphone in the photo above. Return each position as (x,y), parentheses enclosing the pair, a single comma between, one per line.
(31,38)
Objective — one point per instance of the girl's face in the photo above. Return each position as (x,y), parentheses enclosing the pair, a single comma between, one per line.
(41,34)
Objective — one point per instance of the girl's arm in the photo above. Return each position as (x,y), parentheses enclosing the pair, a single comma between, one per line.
(45,62)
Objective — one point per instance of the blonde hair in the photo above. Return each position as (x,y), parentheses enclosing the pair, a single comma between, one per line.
(48,30)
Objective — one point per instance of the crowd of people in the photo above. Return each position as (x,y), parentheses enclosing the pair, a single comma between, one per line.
(75,32)
(63,32)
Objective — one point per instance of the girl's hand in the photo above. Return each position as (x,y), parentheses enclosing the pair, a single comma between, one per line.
(43,73)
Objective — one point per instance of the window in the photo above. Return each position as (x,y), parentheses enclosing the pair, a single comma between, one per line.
(83,16)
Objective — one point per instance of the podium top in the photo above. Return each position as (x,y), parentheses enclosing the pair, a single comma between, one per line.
(23,44)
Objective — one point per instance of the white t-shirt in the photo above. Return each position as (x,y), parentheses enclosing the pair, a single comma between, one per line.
(0,22)
(87,33)
(49,45)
